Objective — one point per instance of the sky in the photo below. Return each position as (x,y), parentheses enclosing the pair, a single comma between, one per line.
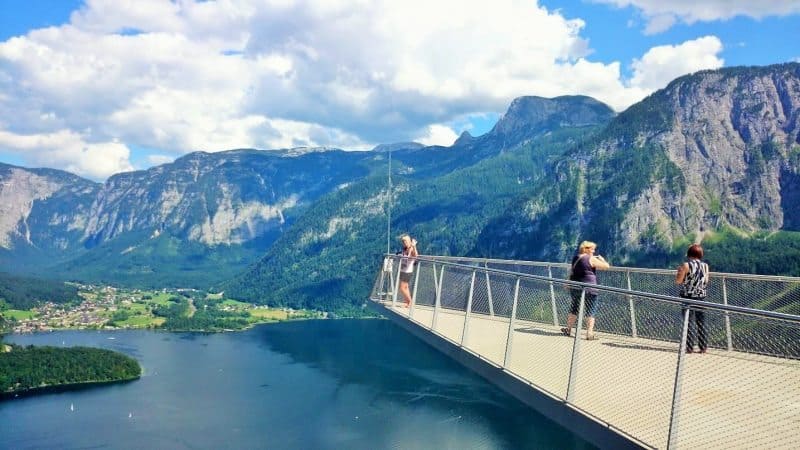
(98,87)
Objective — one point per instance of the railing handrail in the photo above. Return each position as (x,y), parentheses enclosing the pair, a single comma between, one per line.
(741,276)
(637,294)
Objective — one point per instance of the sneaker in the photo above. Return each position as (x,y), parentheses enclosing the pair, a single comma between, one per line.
(565,331)
(591,337)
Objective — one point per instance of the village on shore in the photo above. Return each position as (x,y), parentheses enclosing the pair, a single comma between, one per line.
(111,308)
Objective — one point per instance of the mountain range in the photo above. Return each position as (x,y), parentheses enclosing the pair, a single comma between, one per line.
(713,157)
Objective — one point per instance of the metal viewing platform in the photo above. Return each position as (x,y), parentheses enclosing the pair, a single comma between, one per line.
(634,387)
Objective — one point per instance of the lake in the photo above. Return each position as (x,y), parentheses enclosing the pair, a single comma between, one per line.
(321,384)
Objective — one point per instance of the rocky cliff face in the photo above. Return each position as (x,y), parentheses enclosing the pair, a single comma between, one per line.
(148,219)
(735,139)
(42,208)
(714,149)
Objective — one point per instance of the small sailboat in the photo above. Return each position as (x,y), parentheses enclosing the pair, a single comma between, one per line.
(130,414)
(72,407)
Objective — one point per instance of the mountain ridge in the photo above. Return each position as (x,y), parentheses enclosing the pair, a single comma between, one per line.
(713,152)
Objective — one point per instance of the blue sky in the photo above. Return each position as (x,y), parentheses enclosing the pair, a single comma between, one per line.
(100,87)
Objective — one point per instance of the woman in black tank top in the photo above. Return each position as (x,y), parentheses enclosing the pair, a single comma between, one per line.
(584,266)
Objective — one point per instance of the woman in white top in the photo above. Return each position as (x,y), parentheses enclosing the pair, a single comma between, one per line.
(407,266)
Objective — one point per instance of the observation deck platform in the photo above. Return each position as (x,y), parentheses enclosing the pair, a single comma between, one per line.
(626,389)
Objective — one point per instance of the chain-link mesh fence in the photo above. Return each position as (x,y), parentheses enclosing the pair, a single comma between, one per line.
(739,385)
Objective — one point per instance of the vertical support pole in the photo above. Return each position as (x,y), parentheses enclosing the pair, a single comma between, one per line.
(435,279)
(396,287)
(438,305)
(728,334)
(489,290)
(634,333)
(676,392)
(510,338)
(573,366)
(381,292)
(468,313)
(414,293)
(552,295)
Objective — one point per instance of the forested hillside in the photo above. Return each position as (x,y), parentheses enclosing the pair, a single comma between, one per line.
(29,368)
(24,292)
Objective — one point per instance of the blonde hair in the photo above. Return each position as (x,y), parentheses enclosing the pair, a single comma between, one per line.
(586,244)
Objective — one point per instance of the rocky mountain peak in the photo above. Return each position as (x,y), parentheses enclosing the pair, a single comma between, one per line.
(531,115)
(464,138)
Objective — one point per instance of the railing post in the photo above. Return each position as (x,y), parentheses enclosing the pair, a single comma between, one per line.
(676,392)
(573,367)
(510,339)
(414,293)
(465,330)
(396,287)
(381,294)
(438,304)
(386,285)
(728,334)
(552,295)
(634,333)
(489,290)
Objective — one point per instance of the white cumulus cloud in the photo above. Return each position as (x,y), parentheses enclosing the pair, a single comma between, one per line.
(661,15)
(180,76)
(438,135)
(69,151)
(662,64)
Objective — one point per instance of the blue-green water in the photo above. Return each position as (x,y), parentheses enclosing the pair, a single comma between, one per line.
(330,384)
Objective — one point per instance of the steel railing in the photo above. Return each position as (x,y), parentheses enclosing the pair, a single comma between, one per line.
(763,292)
(745,392)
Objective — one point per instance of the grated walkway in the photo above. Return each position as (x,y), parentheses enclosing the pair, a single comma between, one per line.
(727,399)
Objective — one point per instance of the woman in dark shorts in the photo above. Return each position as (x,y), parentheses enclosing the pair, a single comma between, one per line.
(584,267)
(407,261)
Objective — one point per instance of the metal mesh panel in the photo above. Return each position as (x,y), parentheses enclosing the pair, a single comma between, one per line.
(656,283)
(449,319)
(457,280)
(426,289)
(741,400)
(539,352)
(502,290)
(535,302)
(780,296)
(625,381)
(480,295)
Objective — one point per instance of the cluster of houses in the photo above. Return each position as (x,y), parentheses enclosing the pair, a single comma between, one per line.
(86,315)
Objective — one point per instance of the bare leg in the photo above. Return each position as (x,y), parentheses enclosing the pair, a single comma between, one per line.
(590,326)
(571,321)
(571,318)
(406,293)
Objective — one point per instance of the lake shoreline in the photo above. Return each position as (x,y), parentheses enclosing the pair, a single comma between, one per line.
(58,388)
